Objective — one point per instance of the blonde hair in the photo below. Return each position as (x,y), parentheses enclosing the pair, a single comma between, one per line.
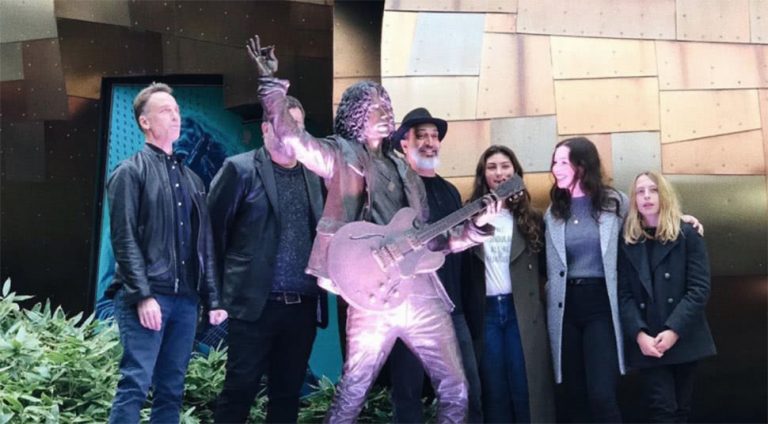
(669,212)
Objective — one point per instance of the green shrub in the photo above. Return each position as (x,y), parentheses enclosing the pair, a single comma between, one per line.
(59,369)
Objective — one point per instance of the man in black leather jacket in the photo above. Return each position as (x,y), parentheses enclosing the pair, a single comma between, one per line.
(162,241)
(264,207)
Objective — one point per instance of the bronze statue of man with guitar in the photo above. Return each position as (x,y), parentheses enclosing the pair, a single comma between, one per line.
(372,247)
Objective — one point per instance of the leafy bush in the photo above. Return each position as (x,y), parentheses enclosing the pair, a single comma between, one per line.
(55,369)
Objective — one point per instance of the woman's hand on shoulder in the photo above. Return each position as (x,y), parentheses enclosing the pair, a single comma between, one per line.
(698,226)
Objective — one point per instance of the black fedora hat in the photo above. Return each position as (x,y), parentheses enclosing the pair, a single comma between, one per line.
(416,117)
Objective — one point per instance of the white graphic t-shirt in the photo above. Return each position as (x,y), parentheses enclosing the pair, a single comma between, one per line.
(496,252)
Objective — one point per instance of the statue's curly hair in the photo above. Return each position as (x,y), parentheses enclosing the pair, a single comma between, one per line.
(352,113)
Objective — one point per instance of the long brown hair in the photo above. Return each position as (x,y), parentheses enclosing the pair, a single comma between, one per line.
(528,219)
(589,173)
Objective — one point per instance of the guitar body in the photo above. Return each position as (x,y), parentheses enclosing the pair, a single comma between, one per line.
(373,266)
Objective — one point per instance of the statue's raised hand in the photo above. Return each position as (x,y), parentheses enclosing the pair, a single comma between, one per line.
(264,58)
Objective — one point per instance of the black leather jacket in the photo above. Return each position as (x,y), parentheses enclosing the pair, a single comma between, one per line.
(143,233)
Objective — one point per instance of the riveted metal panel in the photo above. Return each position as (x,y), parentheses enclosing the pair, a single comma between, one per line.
(649,19)
(11,68)
(157,16)
(687,115)
(574,57)
(447,44)
(702,65)
(732,154)
(452,5)
(307,16)
(532,139)
(758,21)
(607,105)
(44,78)
(24,151)
(451,98)
(634,153)
(223,22)
(539,184)
(13,102)
(713,20)
(397,34)
(91,51)
(763,96)
(604,148)
(464,185)
(27,20)
(356,40)
(733,210)
(515,77)
(113,12)
(463,144)
(500,22)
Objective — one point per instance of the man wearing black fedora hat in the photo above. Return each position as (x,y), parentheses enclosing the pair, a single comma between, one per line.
(419,138)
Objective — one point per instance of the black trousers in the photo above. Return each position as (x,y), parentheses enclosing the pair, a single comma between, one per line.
(278,344)
(668,390)
(589,357)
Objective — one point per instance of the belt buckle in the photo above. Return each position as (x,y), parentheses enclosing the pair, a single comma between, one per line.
(291,298)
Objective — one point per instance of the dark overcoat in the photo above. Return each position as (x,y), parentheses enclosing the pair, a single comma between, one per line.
(669,290)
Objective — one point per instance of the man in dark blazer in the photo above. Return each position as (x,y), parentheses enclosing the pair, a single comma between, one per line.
(264,207)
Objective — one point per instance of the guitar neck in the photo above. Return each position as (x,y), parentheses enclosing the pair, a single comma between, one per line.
(433,230)
(508,188)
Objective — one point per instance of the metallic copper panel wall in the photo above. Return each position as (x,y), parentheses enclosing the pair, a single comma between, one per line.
(24,151)
(461,34)
(500,22)
(650,19)
(91,51)
(607,105)
(11,67)
(713,20)
(687,115)
(454,98)
(574,58)
(633,153)
(758,15)
(397,31)
(44,79)
(515,77)
(733,154)
(464,142)
(453,5)
(701,65)
(532,139)
(734,208)
(27,20)
(114,12)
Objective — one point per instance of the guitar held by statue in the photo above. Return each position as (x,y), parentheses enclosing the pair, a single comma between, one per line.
(372,265)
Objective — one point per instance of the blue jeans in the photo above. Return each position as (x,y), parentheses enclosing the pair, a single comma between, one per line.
(502,366)
(157,358)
